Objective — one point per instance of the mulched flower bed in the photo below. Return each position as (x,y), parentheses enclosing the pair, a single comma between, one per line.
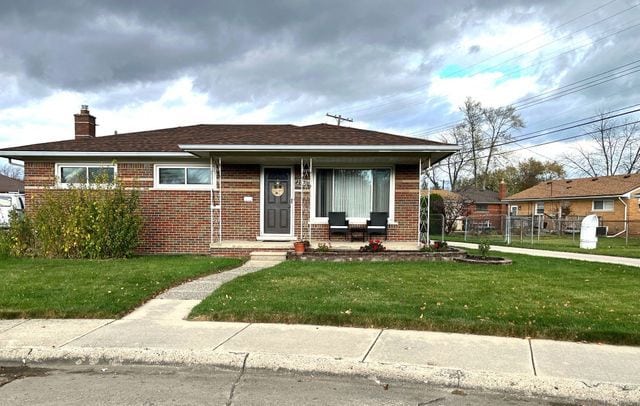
(477,259)
(386,255)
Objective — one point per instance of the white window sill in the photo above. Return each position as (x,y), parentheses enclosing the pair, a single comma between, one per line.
(185,189)
(277,237)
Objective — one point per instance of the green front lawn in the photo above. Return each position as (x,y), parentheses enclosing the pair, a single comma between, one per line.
(58,288)
(536,297)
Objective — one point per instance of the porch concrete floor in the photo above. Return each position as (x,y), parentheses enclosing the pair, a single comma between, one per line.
(288,245)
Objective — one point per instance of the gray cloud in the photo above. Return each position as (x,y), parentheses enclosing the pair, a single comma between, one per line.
(306,56)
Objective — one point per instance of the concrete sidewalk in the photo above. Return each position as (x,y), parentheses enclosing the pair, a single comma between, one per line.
(157,333)
(555,254)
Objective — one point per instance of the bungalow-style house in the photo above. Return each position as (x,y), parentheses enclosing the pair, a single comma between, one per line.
(8,184)
(614,199)
(222,189)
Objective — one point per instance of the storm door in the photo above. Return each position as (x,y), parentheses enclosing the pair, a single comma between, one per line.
(277,201)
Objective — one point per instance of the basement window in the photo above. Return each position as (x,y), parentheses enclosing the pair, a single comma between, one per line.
(603,205)
(196,176)
(84,174)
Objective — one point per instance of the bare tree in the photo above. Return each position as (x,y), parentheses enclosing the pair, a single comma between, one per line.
(499,122)
(12,171)
(454,166)
(617,149)
(485,129)
(472,128)
(454,208)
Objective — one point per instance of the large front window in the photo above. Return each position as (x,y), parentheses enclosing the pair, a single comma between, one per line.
(357,192)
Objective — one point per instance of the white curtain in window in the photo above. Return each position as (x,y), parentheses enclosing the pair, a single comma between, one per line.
(353,192)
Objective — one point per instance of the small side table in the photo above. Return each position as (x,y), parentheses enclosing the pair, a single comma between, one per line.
(358,231)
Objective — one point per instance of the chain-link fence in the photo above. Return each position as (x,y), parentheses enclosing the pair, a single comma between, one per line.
(537,230)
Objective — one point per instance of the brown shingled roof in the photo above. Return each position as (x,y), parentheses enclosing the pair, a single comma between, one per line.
(167,140)
(584,187)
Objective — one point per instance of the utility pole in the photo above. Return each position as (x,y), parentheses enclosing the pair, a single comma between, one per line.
(339,118)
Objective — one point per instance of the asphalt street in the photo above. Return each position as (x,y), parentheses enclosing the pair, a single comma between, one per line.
(59,384)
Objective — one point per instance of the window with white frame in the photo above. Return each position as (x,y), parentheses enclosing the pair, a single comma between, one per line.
(540,208)
(85,174)
(192,176)
(357,192)
(603,205)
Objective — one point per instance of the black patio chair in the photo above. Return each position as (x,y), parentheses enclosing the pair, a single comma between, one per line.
(338,223)
(378,223)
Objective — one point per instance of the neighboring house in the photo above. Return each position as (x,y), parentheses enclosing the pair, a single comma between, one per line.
(8,184)
(485,209)
(484,202)
(613,199)
(222,189)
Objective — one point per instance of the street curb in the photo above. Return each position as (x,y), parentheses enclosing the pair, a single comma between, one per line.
(526,385)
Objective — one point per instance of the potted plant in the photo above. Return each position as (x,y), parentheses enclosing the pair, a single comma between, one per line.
(299,247)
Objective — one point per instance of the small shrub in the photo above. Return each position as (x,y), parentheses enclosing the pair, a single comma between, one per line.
(324,247)
(440,246)
(484,248)
(373,246)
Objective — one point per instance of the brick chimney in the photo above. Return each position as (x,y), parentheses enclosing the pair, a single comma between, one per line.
(85,124)
(502,190)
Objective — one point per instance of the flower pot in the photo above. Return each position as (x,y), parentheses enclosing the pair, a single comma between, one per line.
(299,247)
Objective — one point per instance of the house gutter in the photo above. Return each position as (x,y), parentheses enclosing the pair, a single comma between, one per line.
(317,148)
(14,154)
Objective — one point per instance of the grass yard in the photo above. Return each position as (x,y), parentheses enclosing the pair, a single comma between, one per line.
(58,288)
(536,297)
(606,246)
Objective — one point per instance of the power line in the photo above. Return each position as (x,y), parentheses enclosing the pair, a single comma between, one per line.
(450,125)
(371,105)
(498,153)
(561,91)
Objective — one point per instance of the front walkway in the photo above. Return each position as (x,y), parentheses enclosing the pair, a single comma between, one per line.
(555,254)
(157,333)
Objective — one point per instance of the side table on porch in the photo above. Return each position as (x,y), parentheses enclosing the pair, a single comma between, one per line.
(358,231)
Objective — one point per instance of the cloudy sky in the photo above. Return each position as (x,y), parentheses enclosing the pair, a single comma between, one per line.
(399,66)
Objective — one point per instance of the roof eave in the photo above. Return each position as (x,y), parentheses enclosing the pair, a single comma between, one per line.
(71,154)
(317,148)
(537,199)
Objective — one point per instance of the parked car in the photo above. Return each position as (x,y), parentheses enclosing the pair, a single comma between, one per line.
(8,203)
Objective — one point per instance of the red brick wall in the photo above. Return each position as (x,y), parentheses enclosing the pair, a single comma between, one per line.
(406,206)
(240,219)
(178,221)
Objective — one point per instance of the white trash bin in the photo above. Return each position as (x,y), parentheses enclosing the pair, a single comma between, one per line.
(588,239)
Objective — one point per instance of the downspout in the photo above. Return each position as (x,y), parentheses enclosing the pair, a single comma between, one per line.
(220,200)
(211,201)
(626,208)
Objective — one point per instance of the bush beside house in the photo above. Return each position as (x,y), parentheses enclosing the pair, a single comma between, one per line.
(79,222)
